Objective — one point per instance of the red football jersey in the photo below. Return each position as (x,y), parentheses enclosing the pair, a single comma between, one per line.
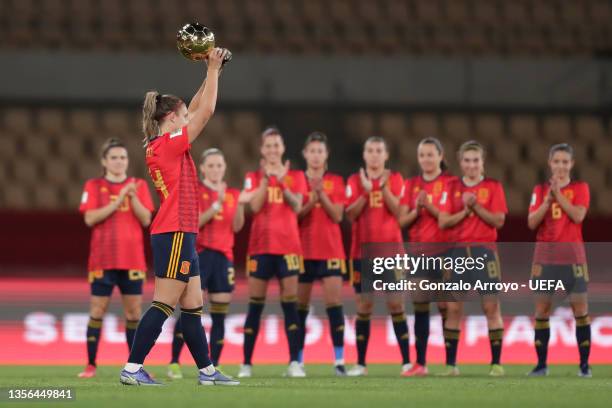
(558,227)
(425,228)
(489,194)
(375,224)
(218,233)
(275,227)
(176,181)
(116,242)
(320,236)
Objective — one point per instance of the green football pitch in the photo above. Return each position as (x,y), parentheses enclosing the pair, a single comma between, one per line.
(381,388)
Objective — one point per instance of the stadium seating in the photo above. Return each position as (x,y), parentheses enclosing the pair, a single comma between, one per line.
(448,27)
(47,153)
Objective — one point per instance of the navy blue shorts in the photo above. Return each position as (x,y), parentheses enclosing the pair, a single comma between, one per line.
(216,272)
(267,266)
(319,269)
(491,274)
(175,256)
(129,281)
(575,277)
(358,279)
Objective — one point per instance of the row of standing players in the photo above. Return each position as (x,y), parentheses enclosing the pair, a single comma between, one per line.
(295,236)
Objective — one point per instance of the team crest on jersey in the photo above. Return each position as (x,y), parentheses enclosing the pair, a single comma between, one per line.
(185,267)
(149,152)
(205,196)
(103,189)
(416,189)
(288,181)
(437,189)
(483,195)
(229,199)
(328,185)
(569,194)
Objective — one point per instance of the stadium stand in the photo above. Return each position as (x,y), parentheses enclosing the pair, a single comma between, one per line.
(447,27)
(47,153)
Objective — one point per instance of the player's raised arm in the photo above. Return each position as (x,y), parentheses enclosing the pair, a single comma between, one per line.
(204,105)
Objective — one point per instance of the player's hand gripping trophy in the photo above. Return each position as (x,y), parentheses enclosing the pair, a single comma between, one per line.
(195,41)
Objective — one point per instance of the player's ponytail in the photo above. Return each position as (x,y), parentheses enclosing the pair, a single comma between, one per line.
(438,145)
(154,110)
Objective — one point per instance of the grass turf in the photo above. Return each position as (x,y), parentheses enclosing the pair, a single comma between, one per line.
(381,388)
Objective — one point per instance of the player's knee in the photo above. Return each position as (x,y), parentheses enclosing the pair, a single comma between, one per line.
(491,310)
(365,307)
(580,309)
(98,311)
(395,307)
(133,313)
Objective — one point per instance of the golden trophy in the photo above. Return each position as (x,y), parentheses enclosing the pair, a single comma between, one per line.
(195,41)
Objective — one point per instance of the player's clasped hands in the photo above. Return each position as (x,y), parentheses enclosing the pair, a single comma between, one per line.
(421,199)
(469,199)
(366,183)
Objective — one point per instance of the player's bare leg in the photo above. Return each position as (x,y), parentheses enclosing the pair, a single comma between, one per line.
(257,299)
(332,295)
(98,306)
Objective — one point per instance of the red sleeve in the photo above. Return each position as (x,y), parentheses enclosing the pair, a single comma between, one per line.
(396,184)
(339,194)
(89,199)
(144,195)
(583,196)
(498,200)
(353,190)
(251,181)
(447,197)
(176,143)
(536,198)
(407,197)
